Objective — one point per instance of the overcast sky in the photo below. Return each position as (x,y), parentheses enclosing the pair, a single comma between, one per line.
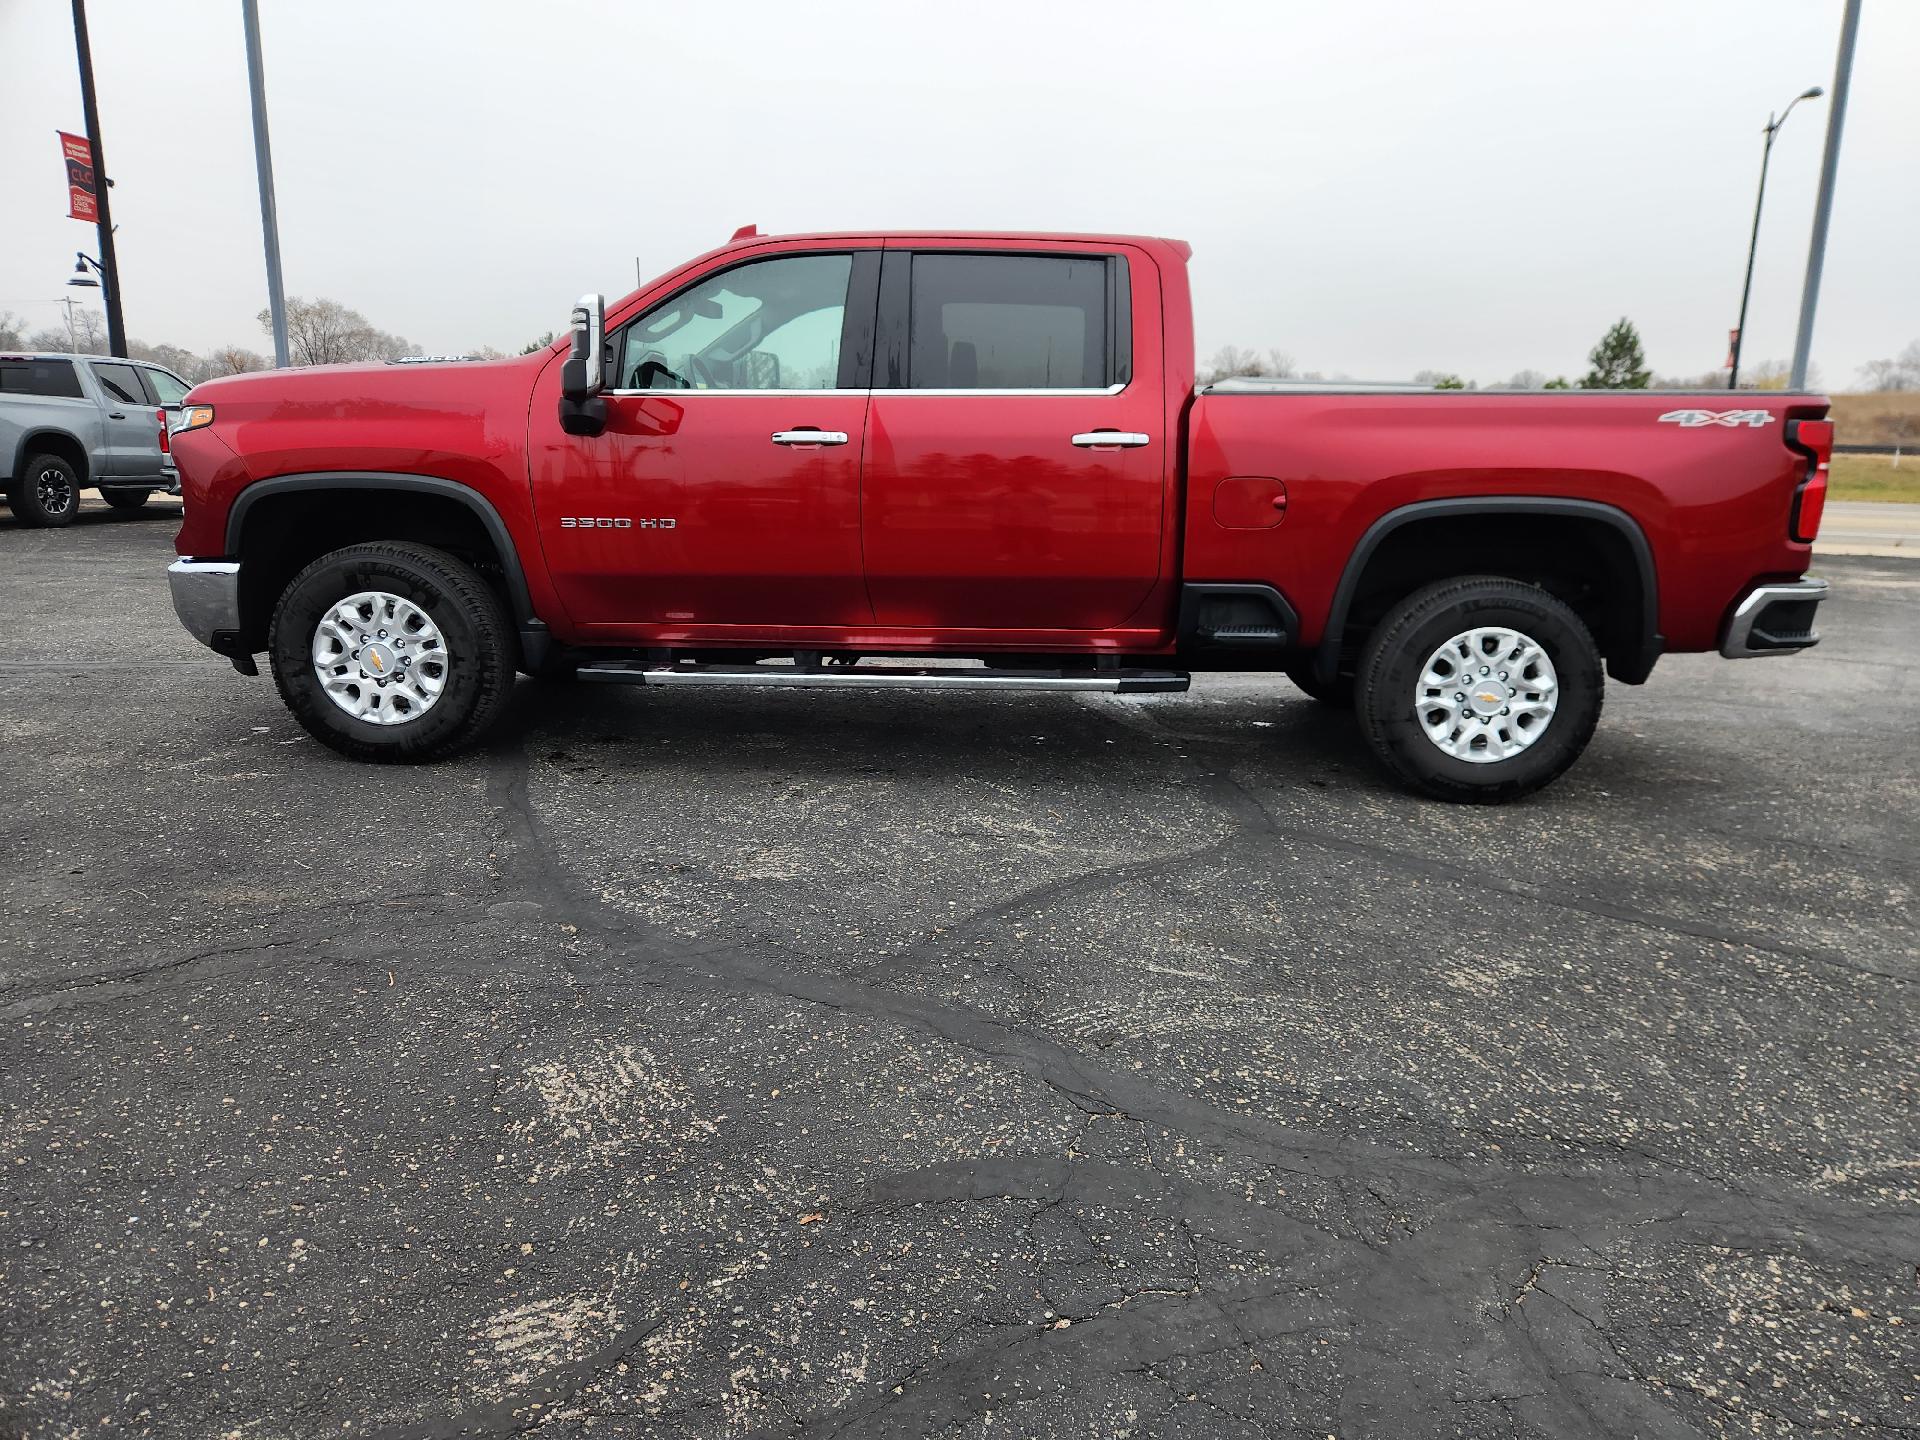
(1375,188)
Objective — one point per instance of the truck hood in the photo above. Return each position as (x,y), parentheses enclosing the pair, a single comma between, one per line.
(446,419)
(380,378)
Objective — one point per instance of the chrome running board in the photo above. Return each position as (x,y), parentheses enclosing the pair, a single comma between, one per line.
(862,677)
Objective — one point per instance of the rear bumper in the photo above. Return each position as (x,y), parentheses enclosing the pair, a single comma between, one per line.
(206,597)
(1773,619)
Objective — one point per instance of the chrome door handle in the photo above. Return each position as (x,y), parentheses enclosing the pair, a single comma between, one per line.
(1112,440)
(116,414)
(809,437)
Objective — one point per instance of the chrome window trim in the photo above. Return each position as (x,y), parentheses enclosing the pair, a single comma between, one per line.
(879,390)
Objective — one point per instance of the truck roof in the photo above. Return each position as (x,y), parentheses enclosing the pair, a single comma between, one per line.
(750,235)
(63,355)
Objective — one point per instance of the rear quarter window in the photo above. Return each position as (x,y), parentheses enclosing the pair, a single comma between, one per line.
(56,378)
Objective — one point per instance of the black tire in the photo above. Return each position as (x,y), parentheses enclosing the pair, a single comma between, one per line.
(1397,653)
(121,499)
(1338,695)
(46,493)
(482,647)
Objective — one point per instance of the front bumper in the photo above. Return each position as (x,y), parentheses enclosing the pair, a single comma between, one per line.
(1773,619)
(206,597)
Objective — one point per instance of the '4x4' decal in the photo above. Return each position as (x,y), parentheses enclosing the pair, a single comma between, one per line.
(1689,419)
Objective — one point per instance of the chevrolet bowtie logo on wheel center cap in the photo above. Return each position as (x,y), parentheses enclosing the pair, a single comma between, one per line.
(1488,697)
(378,660)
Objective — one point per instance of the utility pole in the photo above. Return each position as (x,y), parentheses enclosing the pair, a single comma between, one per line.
(1753,245)
(109,267)
(263,161)
(1823,207)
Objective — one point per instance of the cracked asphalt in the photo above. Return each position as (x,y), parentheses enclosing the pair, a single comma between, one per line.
(714,1063)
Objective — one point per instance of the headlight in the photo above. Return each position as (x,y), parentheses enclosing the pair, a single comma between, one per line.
(193,417)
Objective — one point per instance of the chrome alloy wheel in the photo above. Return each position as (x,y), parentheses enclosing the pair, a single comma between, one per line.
(55,489)
(380,658)
(1486,694)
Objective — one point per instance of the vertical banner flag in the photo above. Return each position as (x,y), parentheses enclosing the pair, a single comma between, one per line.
(1733,344)
(80,185)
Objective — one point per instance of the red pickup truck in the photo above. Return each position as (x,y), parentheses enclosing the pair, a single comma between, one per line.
(978,461)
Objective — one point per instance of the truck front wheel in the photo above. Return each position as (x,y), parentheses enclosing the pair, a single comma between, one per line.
(1479,689)
(390,651)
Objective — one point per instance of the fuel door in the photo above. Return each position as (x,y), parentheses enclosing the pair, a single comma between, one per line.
(1249,502)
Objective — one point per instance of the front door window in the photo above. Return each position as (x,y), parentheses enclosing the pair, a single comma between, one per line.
(769,325)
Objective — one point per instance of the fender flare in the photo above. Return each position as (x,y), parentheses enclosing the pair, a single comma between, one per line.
(1631,668)
(482,509)
(28,444)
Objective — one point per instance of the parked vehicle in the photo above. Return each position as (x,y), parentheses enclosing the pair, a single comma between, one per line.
(799,461)
(73,422)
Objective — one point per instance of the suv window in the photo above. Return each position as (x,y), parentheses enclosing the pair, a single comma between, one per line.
(121,382)
(1009,322)
(168,388)
(40,377)
(767,325)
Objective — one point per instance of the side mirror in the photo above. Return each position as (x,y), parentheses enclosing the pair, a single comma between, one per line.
(583,374)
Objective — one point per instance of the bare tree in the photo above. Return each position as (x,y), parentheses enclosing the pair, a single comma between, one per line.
(87,337)
(13,331)
(234,360)
(1524,380)
(1898,372)
(1232,360)
(325,332)
(1776,374)
(184,363)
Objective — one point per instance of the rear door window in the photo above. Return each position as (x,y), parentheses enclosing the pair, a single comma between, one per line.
(1012,322)
(122,384)
(56,378)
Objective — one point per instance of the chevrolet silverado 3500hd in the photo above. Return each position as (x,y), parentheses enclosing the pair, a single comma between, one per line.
(795,457)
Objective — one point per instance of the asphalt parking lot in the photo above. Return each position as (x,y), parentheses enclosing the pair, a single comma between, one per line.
(710,1063)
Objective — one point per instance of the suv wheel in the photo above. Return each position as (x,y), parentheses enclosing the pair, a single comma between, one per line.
(390,651)
(1479,689)
(125,499)
(47,492)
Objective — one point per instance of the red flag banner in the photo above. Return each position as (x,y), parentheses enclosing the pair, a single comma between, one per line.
(80,185)
(1733,344)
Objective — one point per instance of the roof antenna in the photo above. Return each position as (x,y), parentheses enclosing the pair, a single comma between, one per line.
(745,232)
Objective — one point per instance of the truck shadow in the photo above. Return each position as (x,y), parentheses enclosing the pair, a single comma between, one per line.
(1007,738)
(98,513)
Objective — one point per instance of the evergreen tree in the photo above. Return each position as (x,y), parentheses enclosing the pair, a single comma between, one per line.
(1618,363)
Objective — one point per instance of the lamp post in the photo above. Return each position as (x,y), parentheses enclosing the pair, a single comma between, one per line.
(80,278)
(1812,92)
(109,267)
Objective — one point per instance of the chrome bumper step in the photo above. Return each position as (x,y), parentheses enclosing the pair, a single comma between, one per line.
(878,677)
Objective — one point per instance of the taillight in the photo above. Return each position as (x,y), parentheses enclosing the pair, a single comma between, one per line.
(166,444)
(1814,439)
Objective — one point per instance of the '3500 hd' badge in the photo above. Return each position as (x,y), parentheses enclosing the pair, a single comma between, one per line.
(615,522)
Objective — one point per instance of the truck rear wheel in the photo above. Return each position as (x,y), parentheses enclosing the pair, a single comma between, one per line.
(47,492)
(124,499)
(1479,689)
(394,652)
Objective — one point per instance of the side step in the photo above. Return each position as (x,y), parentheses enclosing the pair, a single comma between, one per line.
(876,677)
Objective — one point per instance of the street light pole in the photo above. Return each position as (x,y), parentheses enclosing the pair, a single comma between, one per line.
(1823,207)
(109,267)
(263,162)
(1753,244)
